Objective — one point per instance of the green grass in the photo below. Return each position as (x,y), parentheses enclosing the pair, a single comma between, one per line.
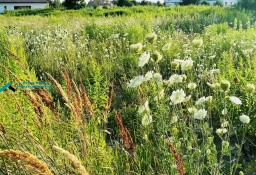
(93,46)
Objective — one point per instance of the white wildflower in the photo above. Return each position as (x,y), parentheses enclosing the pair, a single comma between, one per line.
(200,101)
(224,111)
(192,85)
(144,107)
(186,64)
(146,120)
(225,124)
(214,71)
(208,99)
(221,131)
(175,79)
(157,77)
(148,75)
(178,96)
(244,119)
(144,58)
(235,100)
(136,81)
(174,119)
(192,110)
(200,114)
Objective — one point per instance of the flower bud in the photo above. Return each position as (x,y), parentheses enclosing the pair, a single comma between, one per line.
(189,148)
(250,88)
(175,65)
(225,85)
(208,152)
(151,37)
(137,48)
(156,56)
(241,173)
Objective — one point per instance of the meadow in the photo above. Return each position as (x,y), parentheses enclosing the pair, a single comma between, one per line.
(139,90)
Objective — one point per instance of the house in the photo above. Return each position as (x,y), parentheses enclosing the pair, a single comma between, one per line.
(21,4)
(211,2)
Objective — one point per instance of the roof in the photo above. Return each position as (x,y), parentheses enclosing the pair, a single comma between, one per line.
(23,1)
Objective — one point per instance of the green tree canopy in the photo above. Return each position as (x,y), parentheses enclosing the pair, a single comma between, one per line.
(74,4)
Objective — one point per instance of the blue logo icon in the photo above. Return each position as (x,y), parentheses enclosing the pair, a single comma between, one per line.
(8,85)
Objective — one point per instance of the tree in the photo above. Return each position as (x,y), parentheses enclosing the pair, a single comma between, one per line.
(55,3)
(159,3)
(74,4)
(205,3)
(144,2)
(189,2)
(218,3)
(123,3)
(247,4)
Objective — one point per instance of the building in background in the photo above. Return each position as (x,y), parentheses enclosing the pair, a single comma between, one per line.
(22,4)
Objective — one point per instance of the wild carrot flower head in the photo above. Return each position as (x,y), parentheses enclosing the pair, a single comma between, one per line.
(148,76)
(186,64)
(144,58)
(178,96)
(200,114)
(192,85)
(235,100)
(136,81)
(144,107)
(146,119)
(221,131)
(244,119)
(200,101)
(175,79)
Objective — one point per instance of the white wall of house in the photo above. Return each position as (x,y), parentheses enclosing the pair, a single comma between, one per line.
(10,6)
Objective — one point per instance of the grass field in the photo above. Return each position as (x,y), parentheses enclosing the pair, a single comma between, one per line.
(140,90)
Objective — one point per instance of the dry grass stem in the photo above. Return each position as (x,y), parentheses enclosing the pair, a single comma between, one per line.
(178,159)
(126,136)
(75,161)
(29,160)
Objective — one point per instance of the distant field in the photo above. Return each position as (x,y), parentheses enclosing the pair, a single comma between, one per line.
(140,90)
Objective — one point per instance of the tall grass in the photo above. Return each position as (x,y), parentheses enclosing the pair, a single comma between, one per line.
(164,106)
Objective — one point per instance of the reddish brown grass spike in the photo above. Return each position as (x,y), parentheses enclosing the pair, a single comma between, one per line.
(178,159)
(47,100)
(68,83)
(109,102)
(126,136)
(87,102)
